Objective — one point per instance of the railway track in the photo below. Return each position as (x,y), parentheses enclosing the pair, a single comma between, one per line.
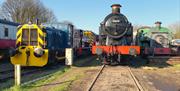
(9,74)
(6,75)
(101,71)
(95,79)
(138,85)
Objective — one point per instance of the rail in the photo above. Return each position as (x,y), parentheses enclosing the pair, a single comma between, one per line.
(95,79)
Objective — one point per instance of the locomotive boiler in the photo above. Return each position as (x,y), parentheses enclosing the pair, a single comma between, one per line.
(115,38)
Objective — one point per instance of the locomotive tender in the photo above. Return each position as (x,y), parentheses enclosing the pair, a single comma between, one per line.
(115,38)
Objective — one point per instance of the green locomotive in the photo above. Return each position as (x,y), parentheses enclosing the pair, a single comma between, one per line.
(154,40)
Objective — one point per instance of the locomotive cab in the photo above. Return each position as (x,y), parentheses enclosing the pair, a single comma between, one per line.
(30,46)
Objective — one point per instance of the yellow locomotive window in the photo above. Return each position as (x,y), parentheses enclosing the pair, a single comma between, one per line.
(25,37)
(29,37)
(34,36)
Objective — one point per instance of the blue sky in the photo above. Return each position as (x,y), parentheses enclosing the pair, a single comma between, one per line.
(87,14)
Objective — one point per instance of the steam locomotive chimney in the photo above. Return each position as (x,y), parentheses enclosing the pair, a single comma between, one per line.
(116,8)
(158,24)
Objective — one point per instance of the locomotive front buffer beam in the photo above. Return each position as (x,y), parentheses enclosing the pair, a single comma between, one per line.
(114,53)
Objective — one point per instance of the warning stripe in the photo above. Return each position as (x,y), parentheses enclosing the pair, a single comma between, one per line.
(41,36)
(42,45)
(18,44)
(18,32)
(41,40)
(40,32)
(18,36)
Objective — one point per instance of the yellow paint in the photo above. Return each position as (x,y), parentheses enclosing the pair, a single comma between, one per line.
(23,60)
(18,33)
(40,40)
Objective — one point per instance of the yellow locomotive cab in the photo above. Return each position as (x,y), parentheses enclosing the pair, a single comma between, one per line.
(30,44)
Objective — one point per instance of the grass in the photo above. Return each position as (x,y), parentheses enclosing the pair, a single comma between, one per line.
(32,86)
(14,88)
(65,86)
(82,62)
(177,66)
(6,84)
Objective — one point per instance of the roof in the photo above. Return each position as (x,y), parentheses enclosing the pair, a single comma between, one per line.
(3,21)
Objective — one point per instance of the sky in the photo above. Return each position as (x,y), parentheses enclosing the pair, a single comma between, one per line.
(87,14)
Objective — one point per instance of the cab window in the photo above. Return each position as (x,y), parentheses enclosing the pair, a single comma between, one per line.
(25,36)
(34,37)
(29,36)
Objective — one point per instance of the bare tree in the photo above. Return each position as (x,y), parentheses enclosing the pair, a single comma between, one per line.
(136,27)
(22,11)
(176,29)
(0,13)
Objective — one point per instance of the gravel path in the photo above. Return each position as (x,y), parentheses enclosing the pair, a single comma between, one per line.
(115,78)
(158,79)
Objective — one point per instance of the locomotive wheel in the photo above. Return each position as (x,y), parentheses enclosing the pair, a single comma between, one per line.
(105,59)
(115,59)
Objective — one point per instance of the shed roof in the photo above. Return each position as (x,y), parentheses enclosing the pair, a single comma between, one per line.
(3,21)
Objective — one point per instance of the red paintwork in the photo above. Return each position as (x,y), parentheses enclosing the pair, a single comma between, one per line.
(120,49)
(158,51)
(79,51)
(7,43)
(162,51)
(82,50)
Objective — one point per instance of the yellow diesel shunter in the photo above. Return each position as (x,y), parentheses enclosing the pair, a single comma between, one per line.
(30,46)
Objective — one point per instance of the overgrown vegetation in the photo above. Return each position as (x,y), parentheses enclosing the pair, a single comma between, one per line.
(177,34)
(177,66)
(65,86)
(176,29)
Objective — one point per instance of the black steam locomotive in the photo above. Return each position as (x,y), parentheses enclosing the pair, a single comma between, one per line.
(115,29)
(115,38)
